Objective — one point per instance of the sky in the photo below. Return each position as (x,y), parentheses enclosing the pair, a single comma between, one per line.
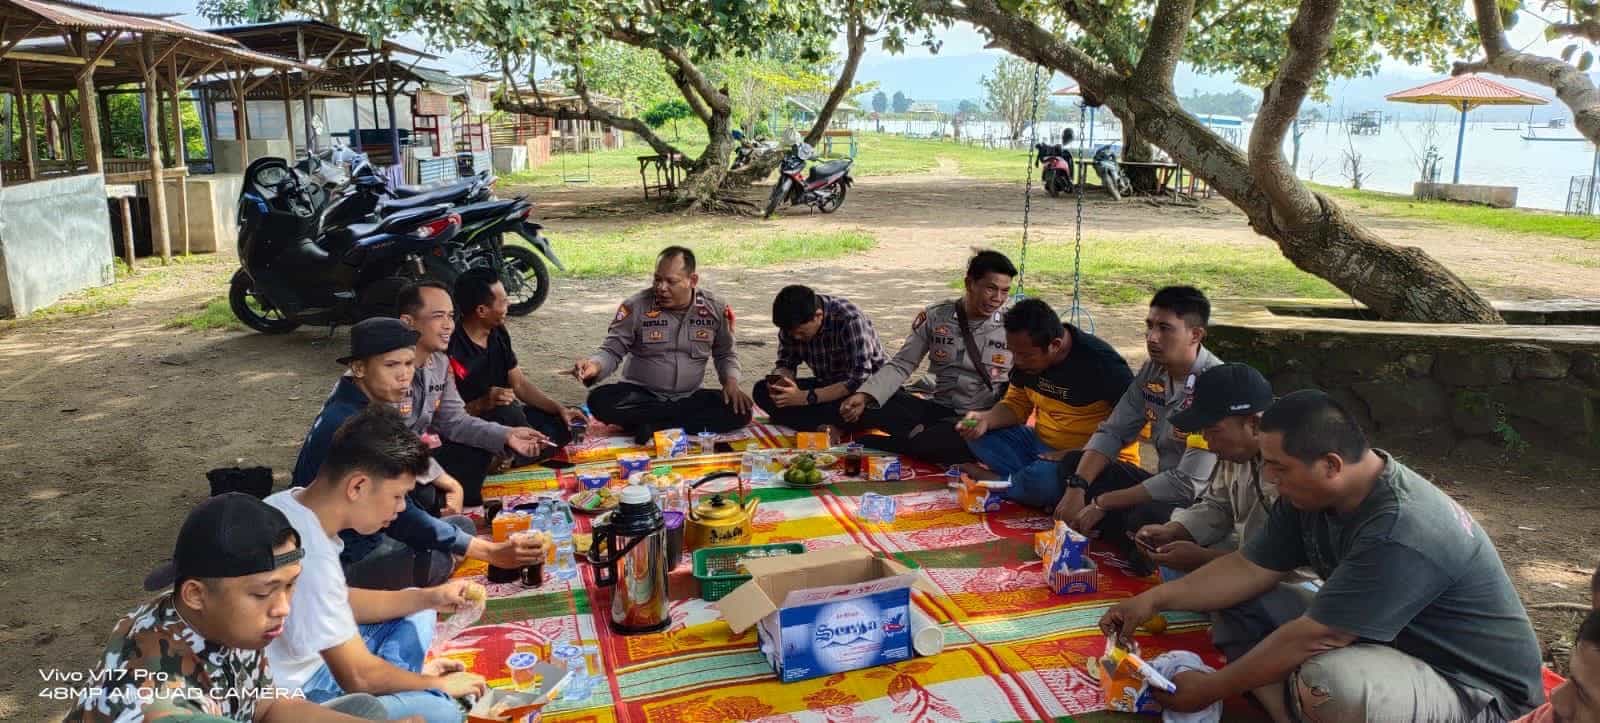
(955,73)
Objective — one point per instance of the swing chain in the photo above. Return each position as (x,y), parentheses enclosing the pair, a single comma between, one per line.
(1027,193)
(1077,314)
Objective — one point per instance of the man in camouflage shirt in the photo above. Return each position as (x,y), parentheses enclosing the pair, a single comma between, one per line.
(197,649)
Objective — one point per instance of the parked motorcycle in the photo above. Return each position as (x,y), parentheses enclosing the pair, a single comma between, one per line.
(288,277)
(486,222)
(748,150)
(1111,177)
(1056,162)
(823,188)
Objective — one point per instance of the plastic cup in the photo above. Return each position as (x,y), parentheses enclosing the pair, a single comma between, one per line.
(521,666)
(591,658)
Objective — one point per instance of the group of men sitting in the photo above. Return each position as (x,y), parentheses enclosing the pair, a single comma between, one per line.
(1343,586)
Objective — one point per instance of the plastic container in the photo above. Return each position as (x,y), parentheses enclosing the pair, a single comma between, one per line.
(718,569)
(521,666)
(564,566)
(594,480)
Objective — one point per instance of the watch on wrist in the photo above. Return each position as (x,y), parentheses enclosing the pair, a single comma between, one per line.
(1075,482)
(811,396)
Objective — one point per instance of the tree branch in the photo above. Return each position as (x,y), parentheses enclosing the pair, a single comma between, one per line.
(716,100)
(1096,21)
(1588,30)
(1224,17)
(856,33)
(1573,87)
(1027,40)
(1164,45)
(696,103)
(1310,37)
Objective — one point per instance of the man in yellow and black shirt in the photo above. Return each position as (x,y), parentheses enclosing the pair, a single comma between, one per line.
(1066,379)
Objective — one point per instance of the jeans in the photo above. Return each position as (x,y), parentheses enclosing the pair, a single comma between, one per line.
(469,465)
(641,412)
(1014,453)
(394,565)
(403,643)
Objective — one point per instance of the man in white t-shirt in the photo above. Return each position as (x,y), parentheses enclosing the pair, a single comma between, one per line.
(372,463)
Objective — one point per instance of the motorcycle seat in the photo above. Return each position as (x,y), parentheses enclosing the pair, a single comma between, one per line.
(305,252)
(431,198)
(822,170)
(405,191)
(486,210)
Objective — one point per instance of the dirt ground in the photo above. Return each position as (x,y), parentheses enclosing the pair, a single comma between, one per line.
(109,422)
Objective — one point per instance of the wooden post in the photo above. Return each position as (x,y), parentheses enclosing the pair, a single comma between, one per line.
(241,120)
(159,236)
(355,121)
(305,98)
(127,232)
(288,114)
(26,112)
(394,125)
(66,132)
(89,103)
(180,153)
(52,127)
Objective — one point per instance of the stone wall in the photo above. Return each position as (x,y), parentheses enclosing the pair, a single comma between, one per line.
(1447,387)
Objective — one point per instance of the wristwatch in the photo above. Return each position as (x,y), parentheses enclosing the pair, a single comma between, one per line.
(1074,482)
(811,396)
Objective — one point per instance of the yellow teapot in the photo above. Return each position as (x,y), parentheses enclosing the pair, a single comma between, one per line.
(716,520)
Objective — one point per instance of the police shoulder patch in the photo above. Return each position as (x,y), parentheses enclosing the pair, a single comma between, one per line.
(922,318)
(622,314)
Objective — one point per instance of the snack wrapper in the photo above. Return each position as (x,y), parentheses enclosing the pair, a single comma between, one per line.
(1124,690)
(817,441)
(671,443)
(1067,570)
(632,462)
(883,467)
(976,498)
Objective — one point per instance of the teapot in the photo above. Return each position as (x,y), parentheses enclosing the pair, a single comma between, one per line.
(716,521)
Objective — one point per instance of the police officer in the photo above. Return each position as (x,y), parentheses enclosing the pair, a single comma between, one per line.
(661,338)
(965,343)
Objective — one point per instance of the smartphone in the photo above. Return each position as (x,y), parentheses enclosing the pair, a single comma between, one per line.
(1147,547)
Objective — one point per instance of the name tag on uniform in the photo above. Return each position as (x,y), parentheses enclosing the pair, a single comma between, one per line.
(702,322)
(648,323)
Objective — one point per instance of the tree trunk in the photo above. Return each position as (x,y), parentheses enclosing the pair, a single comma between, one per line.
(1136,148)
(856,33)
(1399,284)
(698,191)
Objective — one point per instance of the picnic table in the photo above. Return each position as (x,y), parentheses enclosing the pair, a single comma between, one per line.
(666,168)
(1164,171)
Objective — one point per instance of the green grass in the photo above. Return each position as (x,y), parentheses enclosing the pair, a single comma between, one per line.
(1524,221)
(1129,270)
(214,314)
(632,251)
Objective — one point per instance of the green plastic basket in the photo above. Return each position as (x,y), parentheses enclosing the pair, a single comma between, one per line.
(717,568)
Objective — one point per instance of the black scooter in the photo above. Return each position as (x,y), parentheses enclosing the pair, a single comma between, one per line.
(289,276)
(824,188)
(485,223)
(1111,176)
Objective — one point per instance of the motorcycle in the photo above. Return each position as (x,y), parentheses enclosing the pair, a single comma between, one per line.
(824,188)
(288,277)
(1111,177)
(749,150)
(1056,162)
(486,221)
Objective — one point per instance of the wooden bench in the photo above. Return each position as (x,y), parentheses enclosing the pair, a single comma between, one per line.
(832,133)
(666,168)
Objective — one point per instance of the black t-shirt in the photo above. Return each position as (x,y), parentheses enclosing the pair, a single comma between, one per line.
(1411,569)
(1071,399)
(476,368)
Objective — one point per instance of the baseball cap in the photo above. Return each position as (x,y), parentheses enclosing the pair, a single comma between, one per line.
(229,535)
(378,335)
(1224,390)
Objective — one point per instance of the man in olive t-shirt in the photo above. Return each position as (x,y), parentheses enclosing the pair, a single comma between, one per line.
(1417,619)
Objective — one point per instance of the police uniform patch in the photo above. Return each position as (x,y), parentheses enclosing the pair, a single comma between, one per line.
(653,313)
(655,336)
(941,354)
(405,409)
(622,314)
(702,335)
(922,318)
(941,330)
(703,310)
(1156,387)
(727,313)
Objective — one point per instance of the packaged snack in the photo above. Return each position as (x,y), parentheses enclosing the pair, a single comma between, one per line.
(633,462)
(1126,680)
(883,467)
(812,440)
(671,443)
(979,497)
(1067,570)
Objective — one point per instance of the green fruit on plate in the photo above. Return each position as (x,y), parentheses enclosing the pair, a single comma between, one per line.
(794,476)
(813,477)
(806,464)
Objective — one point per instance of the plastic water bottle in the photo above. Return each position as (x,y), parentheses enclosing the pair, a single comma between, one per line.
(580,686)
(566,568)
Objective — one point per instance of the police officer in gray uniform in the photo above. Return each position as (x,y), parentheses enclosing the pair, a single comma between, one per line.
(964,341)
(662,338)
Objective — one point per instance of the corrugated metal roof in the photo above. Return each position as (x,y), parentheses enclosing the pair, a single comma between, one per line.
(1471,90)
(88,17)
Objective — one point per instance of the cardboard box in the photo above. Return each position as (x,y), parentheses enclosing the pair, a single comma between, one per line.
(502,705)
(883,467)
(827,611)
(817,441)
(671,443)
(976,498)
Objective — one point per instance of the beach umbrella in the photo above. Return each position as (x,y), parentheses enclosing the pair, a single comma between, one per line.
(1073,90)
(1464,92)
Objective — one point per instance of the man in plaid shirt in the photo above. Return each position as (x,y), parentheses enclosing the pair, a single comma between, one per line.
(834,338)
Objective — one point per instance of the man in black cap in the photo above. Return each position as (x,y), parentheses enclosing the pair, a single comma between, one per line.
(1226,409)
(417,549)
(197,649)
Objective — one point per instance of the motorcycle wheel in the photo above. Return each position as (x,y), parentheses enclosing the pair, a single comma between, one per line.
(1055,183)
(778,193)
(254,310)
(526,279)
(835,201)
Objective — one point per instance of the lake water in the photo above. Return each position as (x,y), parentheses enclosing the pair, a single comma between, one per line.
(1541,170)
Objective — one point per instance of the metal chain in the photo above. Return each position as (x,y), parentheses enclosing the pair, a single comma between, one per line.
(1027,193)
(1077,314)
